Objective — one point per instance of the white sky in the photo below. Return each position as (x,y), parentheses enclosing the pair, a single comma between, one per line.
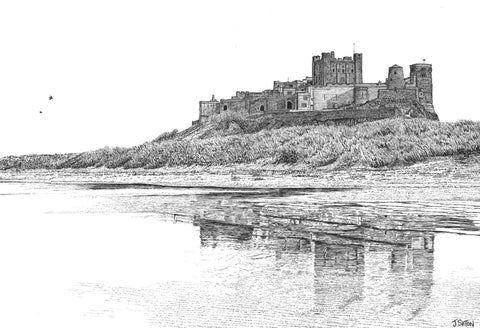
(122,72)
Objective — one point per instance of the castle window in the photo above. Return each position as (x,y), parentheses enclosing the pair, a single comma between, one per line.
(305,97)
(333,70)
(424,75)
(304,105)
(289,105)
(395,72)
(262,108)
(225,107)
(352,70)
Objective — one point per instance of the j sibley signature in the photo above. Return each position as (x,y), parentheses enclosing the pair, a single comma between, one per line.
(463,323)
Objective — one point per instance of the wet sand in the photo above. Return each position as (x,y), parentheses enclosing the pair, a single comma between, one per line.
(445,172)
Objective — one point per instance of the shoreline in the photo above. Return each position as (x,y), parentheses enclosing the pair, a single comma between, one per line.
(440,171)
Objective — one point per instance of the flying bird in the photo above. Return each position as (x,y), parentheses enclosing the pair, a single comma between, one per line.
(50,98)
(41,112)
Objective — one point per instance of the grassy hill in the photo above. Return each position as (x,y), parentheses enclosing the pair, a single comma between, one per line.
(232,139)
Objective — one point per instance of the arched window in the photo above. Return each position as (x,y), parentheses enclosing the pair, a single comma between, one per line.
(289,105)
(225,107)
(262,108)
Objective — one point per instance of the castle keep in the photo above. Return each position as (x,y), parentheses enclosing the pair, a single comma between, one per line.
(336,89)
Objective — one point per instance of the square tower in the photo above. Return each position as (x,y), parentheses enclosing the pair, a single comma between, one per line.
(327,69)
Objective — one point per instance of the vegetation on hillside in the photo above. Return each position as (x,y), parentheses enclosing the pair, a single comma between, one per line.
(233,139)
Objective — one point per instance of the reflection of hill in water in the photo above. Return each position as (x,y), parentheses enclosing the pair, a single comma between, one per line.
(307,206)
(320,209)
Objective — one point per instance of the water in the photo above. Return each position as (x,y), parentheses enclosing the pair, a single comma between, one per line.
(114,255)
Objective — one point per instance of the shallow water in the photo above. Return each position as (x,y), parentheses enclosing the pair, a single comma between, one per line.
(119,255)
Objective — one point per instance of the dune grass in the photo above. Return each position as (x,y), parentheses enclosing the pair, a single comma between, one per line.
(232,139)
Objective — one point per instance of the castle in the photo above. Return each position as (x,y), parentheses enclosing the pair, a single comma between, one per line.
(336,89)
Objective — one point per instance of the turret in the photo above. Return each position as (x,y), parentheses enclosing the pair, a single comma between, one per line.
(395,78)
(421,77)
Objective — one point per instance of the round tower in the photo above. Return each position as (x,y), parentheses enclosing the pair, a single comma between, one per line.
(395,78)
(421,77)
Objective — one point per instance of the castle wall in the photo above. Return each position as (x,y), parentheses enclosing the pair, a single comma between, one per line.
(341,116)
(398,95)
(276,103)
(234,105)
(247,94)
(361,94)
(256,105)
(372,90)
(332,96)
(251,103)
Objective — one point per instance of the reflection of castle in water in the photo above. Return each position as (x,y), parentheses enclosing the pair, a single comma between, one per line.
(214,232)
(381,277)
(355,266)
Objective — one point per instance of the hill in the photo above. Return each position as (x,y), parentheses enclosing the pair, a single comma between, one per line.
(231,140)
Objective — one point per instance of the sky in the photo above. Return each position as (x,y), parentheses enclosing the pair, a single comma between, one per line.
(122,72)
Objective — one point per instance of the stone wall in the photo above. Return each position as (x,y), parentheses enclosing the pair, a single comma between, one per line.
(367,92)
(398,95)
(343,116)
(256,105)
(332,96)
(276,103)
(373,90)
(252,103)
(234,105)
